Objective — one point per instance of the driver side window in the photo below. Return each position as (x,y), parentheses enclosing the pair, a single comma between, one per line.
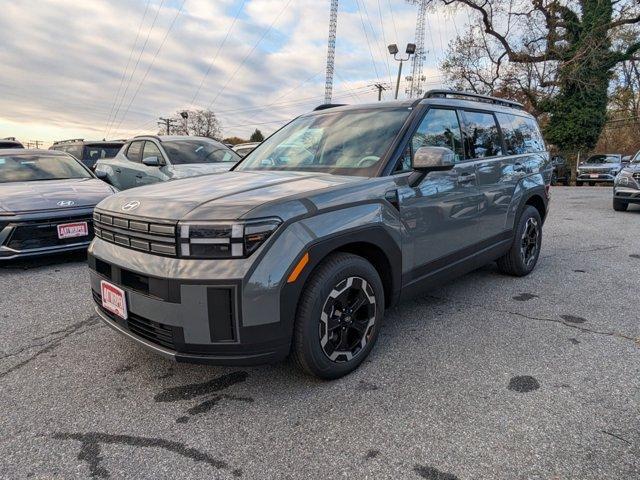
(439,128)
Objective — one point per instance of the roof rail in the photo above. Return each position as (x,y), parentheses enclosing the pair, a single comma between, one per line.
(473,96)
(325,106)
(69,141)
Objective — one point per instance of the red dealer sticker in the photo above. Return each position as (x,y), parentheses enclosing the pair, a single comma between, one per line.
(113,299)
(72,230)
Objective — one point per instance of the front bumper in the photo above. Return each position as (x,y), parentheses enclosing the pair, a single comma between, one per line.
(180,312)
(630,195)
(600,177)
(35,234)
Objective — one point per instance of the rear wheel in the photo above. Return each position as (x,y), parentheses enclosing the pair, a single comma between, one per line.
(578,184)
(523,255)
(592,184)
(620,205)
(554,179)
(339,316)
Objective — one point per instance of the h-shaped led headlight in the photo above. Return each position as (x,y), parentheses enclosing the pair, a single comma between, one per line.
(224,239)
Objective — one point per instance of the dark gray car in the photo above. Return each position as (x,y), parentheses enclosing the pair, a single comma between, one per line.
(152,159)
(330,221)
(626,188)
(46,203)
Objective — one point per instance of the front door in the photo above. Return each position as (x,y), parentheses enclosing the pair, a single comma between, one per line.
(441,214)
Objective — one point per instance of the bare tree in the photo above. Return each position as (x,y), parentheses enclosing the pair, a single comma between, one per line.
(199,123)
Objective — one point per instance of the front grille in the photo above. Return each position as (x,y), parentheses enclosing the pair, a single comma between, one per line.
(44,233)
(153,237)
(154,332)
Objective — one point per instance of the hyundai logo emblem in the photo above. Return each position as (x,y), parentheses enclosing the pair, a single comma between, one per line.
(127,207)
(66,203)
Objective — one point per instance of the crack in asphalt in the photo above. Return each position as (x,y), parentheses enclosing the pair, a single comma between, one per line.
(617,436)
(50,345)
(90,449)
(566,320)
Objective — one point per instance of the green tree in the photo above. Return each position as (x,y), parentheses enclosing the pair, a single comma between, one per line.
(573,43)
(256,136)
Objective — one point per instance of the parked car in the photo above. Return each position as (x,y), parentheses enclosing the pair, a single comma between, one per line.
(599,168)
(244,149)
(46,203)
(89,152)
(626,188)
(561,170)
(10,142)
(301,252)
(151,159)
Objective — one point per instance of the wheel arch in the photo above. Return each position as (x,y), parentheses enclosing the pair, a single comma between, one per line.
(374,244)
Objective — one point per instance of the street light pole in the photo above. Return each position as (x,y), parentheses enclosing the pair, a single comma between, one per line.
(393,50)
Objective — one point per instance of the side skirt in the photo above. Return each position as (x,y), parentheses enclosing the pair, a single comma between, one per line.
(440,271)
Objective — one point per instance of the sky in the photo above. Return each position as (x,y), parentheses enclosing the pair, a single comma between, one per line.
(109,68)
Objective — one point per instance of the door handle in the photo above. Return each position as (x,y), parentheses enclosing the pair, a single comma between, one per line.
(466,177)
(118,170)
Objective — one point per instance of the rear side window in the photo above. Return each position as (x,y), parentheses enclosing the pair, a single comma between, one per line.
(481,135)
(134,152)
(521,134)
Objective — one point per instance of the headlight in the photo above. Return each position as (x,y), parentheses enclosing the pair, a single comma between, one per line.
(224,239)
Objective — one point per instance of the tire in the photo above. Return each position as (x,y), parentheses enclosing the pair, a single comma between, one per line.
(566,181)
(318,335)
(578,184)
(554,179)
(521,259)
(592,184)
(620,205)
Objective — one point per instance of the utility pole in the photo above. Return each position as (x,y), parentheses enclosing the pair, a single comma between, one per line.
(380,88)
(166,122)
(36,143)
(331,51)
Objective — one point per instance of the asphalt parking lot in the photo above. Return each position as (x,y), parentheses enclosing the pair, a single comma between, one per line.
(487,377)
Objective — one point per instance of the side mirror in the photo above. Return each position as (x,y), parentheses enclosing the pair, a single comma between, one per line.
(433,159)
(101,174)
(151,161)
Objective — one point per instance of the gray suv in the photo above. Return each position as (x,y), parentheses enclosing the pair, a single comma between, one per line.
(626,188)
(151,159)
(599,168)
(336,217)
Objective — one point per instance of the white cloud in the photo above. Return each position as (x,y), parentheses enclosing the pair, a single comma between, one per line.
(63,60)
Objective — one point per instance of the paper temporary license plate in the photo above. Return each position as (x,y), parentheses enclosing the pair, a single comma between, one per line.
(594,175)
(72,230)
(113,299)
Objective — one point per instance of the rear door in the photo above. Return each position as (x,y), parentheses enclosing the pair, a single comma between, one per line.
(441,213)
(127,169)
(497,173)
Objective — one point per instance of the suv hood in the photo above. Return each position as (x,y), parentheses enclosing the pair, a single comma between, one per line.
(223,196)
(21,197)
(196,169)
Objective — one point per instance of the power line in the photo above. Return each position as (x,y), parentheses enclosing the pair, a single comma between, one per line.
(135,67)
(146,73)
(366,36)
(126,68)
(215,57)
(264,34)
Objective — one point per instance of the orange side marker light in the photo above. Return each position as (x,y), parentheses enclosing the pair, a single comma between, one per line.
(298,269)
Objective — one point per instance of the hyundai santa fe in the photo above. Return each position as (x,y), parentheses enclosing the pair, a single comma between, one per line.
(339,215)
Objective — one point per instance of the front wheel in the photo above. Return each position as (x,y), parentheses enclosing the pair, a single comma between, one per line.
(339,316)
(523,255)
(620,205)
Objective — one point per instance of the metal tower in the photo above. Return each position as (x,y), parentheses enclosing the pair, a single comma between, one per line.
(331,51)
(416,78)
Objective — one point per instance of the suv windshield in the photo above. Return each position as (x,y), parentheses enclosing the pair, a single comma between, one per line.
(603,159)
(636,159)
(97,152)
(198,151)
(29,168)
(350,142)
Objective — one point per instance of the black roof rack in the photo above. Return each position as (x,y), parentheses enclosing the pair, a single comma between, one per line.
(473,96)
(325,106)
